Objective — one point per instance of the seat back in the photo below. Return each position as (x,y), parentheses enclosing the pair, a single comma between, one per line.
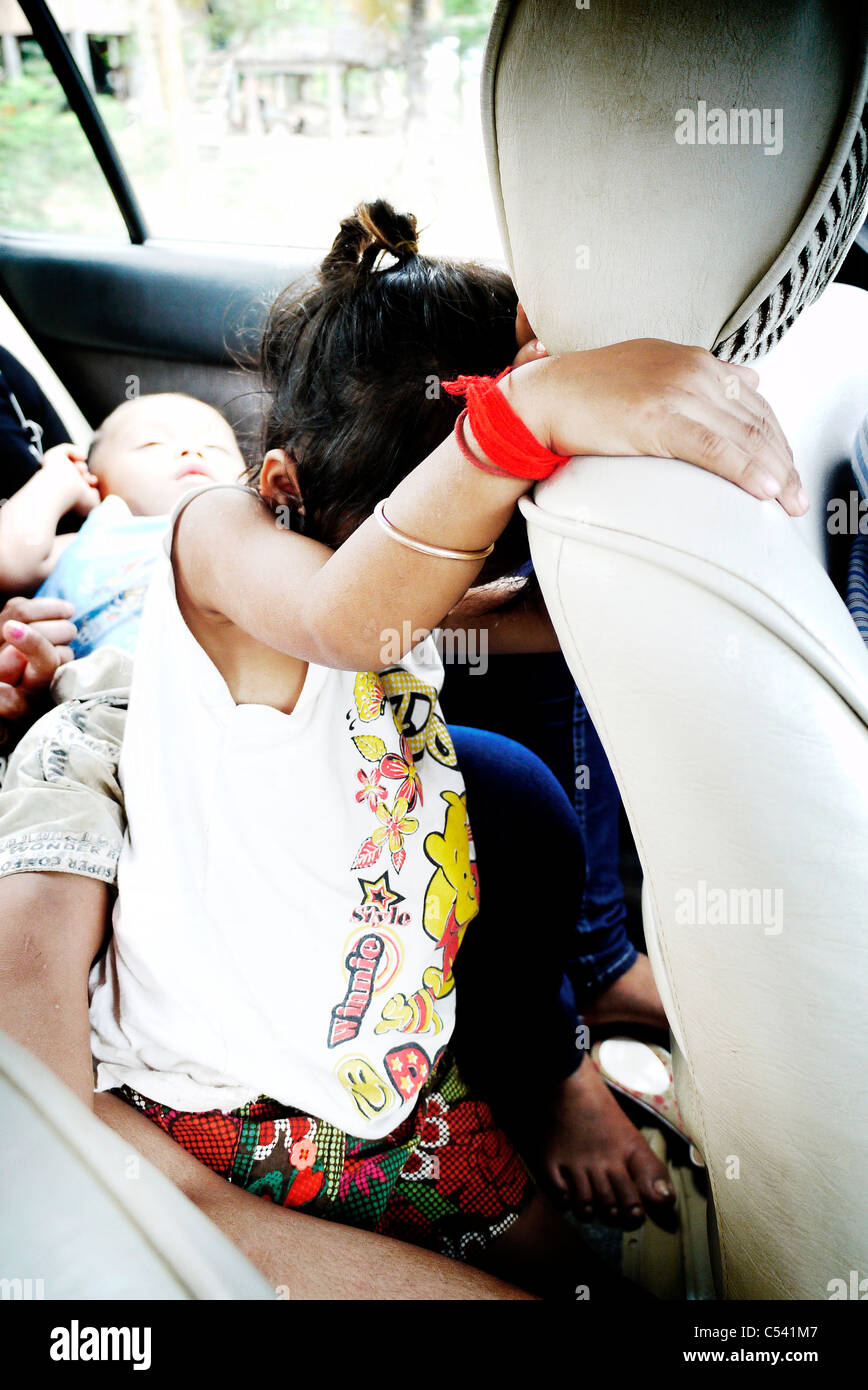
(83,1217)
(725,677)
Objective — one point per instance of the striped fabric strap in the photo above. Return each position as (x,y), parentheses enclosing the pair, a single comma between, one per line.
(857,574)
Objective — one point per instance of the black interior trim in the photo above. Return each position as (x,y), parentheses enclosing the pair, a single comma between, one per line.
(854,267)
(111,317)
(54,46)
(181,300)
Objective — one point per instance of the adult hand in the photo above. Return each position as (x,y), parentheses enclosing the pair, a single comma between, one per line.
(651,397)
(67,463)
(34,638)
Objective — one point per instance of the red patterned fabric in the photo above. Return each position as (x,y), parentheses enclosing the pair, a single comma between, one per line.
(446,1178)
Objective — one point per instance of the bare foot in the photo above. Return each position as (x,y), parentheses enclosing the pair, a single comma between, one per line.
(596,1161)
(632,998)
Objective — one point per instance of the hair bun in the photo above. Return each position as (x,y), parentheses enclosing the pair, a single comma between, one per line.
(373,229)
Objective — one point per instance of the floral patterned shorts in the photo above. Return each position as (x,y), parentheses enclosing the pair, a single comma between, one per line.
(447,1178)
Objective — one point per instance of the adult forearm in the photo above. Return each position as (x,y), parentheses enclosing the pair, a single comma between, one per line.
(28,530)
(513,629)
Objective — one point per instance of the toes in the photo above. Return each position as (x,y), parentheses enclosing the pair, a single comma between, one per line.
(651,1177)
(632,1212)
(558,1184)
(583,1194)
(572,1187)
(604,1193)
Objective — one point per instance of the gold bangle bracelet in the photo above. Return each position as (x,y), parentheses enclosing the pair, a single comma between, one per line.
(439,552)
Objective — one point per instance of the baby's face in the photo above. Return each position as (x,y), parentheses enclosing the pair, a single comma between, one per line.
(155,448)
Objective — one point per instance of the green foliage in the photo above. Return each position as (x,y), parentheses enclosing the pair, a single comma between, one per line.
(43,150)
(49,179)
(231,23)
(469,11)
(466,20)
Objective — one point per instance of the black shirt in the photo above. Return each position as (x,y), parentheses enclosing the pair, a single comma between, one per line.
(23,444)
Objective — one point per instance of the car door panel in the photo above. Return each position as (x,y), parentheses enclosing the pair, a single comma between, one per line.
(112,318)
(99,380)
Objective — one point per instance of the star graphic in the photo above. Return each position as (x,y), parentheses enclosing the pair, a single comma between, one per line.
(378,892)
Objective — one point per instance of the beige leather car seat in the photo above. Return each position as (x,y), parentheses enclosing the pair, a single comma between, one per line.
(84,1217)
(726,679)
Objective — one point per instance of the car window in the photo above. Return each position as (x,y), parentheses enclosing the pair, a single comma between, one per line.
(49,177)
(266,121)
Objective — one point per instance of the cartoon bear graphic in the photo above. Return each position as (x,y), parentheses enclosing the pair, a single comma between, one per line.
(452,895)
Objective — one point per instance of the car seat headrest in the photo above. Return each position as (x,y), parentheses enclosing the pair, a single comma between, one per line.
(685,171)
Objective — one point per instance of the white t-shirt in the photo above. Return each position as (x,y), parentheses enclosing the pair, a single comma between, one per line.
(292,887)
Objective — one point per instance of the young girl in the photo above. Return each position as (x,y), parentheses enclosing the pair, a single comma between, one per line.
(143,458)
(274,953)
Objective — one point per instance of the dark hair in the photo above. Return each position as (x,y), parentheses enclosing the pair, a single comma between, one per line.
(352,364)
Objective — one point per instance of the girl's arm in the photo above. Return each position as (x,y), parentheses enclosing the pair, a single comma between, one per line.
(29,544)
(347,608)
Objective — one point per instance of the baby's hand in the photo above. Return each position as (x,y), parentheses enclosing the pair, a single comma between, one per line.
(79,487)
(652,397)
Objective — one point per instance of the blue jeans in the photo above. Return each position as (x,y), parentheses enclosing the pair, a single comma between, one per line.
(533,699)
(601,949)
(514,1036)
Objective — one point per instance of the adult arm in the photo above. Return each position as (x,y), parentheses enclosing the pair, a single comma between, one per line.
(508,617)
(29,543)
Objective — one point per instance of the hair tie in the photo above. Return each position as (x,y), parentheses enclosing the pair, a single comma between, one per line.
(501,434)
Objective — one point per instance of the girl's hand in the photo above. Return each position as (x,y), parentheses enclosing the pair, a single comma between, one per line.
(530,349)
(652,397)
(67,463)
(34,637)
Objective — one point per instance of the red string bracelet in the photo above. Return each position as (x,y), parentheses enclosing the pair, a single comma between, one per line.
(500,433)
(468,452)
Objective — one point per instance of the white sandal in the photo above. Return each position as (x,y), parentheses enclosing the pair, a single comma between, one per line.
(643,1072)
